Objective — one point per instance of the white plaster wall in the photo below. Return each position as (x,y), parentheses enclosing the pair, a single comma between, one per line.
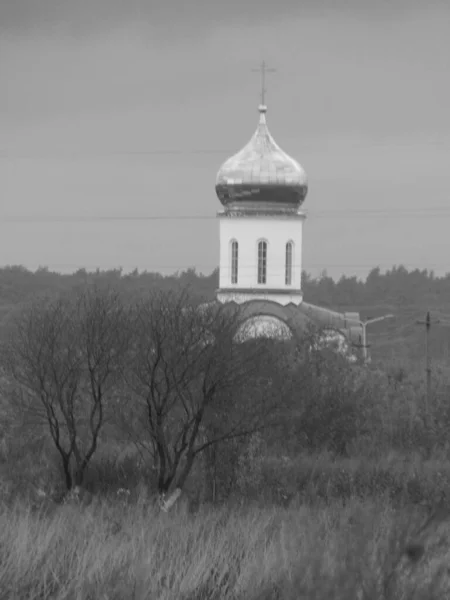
(248,231)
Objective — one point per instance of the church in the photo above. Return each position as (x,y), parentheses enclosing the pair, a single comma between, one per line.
(262,191)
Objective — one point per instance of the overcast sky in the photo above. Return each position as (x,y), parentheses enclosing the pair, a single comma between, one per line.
(127,108)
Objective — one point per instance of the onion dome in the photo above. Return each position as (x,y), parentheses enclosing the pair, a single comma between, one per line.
(261,176)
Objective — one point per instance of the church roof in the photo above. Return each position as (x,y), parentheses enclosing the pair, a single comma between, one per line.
(330,319)
(298,318)
(261,175)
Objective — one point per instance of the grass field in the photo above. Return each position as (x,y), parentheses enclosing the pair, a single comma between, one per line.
(125,549)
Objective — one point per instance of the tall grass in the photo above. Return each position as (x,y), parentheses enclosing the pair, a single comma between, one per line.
(311,522)
(115,550)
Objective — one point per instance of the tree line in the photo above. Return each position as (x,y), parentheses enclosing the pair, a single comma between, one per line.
(397,286)
(405,293)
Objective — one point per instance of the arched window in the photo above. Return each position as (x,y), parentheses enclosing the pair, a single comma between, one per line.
(262,262)
(234,261)
(288,264)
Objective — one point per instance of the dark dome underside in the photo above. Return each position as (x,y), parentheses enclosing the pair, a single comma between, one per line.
(292,195)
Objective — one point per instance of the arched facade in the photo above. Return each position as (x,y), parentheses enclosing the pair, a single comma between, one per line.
(275,320)
(265,318)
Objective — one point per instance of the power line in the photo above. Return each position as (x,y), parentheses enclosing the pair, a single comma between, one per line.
(102,218)
(89,154)
(213,266)
(6,153)
(431,212)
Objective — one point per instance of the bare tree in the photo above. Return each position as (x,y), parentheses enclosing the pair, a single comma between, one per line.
(187,376)
(65,357)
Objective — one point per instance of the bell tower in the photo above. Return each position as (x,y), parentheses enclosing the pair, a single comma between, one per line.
(261,189)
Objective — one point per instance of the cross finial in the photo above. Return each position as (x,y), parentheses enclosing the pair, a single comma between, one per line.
(263,69)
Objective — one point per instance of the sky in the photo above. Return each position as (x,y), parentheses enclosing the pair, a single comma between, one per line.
(114,114)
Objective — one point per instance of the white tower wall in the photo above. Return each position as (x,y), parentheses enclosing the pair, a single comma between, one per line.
(248,231)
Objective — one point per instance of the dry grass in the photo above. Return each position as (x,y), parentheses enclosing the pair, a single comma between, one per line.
(114,550)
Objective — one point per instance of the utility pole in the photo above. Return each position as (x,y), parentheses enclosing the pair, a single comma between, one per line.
(427,322)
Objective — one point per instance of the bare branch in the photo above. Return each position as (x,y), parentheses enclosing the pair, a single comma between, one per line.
(67,354)
(189,372)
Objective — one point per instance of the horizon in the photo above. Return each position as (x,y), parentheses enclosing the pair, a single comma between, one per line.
(125,272)
(117,118)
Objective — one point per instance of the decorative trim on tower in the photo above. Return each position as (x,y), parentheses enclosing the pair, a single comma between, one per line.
(243,295)
(269,211)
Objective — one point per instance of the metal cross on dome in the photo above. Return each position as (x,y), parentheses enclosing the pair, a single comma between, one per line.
(263,69)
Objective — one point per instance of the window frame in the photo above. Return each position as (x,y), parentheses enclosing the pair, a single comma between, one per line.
(262,252)
(289,263)
(234,260)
